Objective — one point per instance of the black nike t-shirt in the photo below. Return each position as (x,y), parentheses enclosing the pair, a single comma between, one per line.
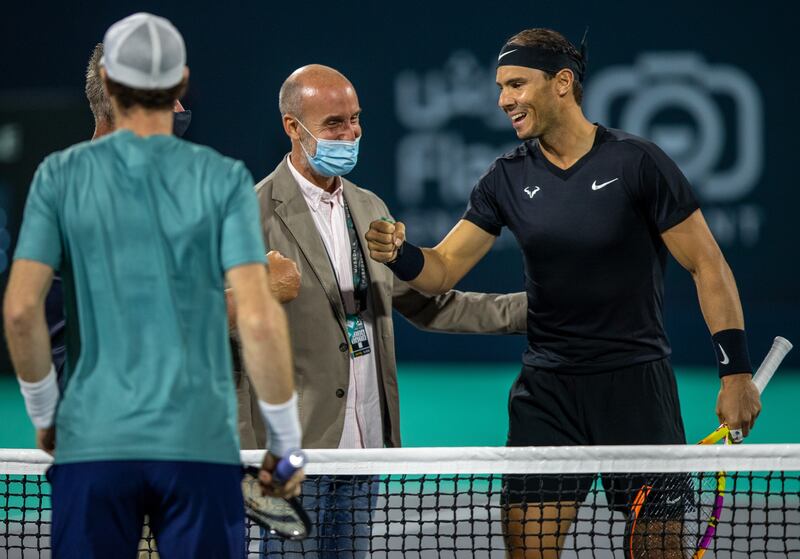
(591,240)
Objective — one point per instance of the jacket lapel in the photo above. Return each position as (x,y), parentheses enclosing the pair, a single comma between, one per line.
(292,210)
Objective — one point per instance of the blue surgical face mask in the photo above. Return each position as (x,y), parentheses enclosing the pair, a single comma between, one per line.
(334,158)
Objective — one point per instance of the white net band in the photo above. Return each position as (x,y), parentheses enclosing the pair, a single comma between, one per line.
(505,460)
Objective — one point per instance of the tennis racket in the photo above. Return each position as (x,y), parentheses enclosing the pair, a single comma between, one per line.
(278,516)
(678,514)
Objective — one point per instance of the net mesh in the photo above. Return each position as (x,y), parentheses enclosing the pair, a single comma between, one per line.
(482,502)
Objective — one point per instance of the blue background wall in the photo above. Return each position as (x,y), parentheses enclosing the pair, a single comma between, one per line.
(714,83)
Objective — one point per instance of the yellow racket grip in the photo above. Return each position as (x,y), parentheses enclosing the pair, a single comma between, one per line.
(717,435)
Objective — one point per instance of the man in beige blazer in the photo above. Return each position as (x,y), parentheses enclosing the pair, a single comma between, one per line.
(340,324)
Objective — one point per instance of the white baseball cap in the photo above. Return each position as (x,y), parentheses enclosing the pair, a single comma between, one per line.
(144,51)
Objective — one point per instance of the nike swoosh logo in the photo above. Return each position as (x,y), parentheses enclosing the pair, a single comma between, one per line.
(507,52)
(673,501)
(596,186)
(724,359)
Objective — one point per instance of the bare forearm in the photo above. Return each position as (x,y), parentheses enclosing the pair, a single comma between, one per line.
(442,267)
(718,296)
(434,278)
(29,344)
(693,245)
(267,354)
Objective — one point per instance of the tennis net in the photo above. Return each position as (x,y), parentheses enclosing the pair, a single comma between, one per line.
(642,501)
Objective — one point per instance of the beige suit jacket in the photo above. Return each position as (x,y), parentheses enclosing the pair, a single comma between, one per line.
(317,318)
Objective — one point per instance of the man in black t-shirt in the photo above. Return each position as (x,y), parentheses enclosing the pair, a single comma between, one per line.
(595,212)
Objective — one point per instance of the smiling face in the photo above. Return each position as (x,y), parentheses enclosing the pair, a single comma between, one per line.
(529,98)
(330,112)
(318,103)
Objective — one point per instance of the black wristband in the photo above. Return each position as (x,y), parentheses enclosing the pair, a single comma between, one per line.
(409,262)
(731,349)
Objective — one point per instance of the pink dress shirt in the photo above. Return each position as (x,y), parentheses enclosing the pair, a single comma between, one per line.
(362,420)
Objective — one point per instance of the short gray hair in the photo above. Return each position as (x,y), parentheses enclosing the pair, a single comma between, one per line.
(98,100)
(290,97)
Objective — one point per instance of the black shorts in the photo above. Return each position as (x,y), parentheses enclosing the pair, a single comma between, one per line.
(634,405)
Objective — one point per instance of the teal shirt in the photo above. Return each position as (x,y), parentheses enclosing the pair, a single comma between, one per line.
(142,230)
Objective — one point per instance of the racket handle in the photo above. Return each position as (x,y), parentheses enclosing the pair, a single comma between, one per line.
(780,347)
(292,461)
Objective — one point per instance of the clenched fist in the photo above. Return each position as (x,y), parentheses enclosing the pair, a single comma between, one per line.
(268,486)
(384,238)
(284,277)
(738,402)
(284,283)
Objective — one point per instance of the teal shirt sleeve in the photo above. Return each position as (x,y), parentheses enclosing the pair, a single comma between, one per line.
(40,234)
(242,242)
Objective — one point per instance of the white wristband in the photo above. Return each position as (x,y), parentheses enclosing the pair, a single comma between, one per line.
(283,425)
(41,399)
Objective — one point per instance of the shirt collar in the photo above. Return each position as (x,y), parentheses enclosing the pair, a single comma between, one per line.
(313,194)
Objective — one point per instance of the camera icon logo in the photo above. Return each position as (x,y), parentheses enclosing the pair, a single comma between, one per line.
(708,117)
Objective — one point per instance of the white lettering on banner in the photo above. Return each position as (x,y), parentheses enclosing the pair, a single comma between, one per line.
(444,161)
(462,88)
(660,82)
(736,225)
(437,162)
(708,117)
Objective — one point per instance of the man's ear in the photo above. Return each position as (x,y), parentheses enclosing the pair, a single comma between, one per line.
(564,79)
(291,127)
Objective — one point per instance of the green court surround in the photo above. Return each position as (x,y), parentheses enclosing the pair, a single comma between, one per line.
(465,405)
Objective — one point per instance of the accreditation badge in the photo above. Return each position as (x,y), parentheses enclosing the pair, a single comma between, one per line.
(357,336)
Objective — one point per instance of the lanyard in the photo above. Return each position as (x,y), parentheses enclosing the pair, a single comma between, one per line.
(358,263)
